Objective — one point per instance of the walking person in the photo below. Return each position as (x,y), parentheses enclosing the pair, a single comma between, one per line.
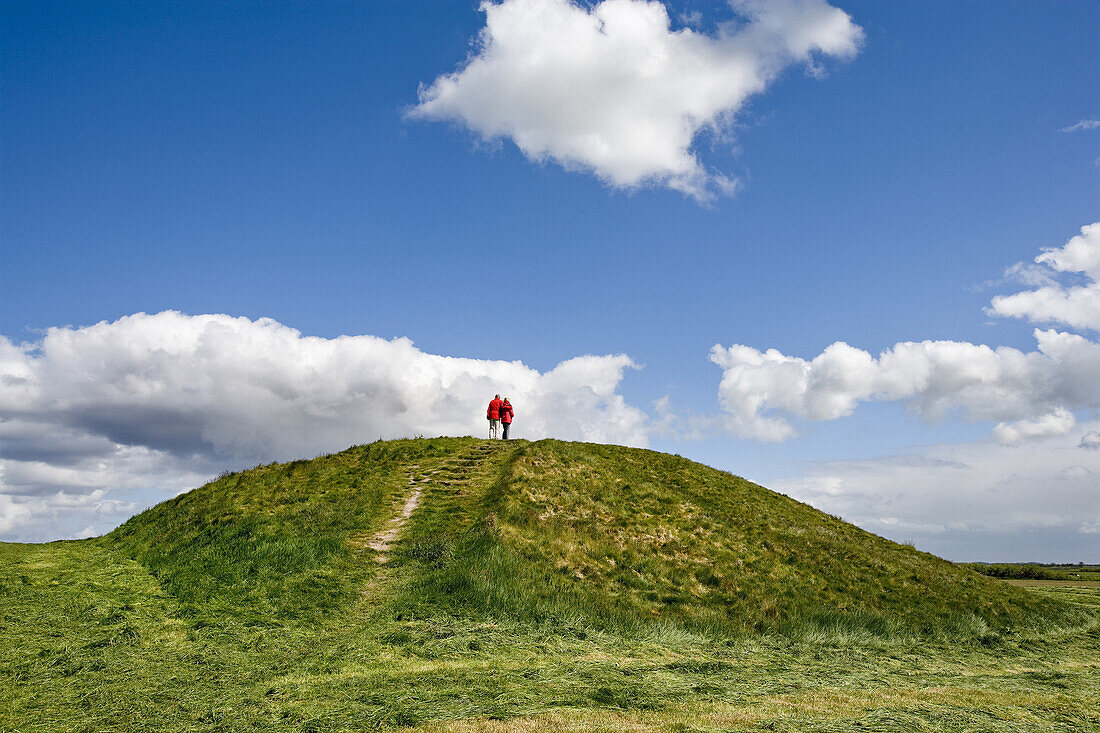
(493,416)
(506,413)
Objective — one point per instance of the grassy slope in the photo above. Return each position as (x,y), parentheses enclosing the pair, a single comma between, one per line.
(566,585)
(633,535)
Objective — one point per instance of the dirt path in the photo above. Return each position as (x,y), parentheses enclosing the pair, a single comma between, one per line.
(381,542)
(454,469)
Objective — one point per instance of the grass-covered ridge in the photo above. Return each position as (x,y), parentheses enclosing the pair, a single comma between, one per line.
(550,585)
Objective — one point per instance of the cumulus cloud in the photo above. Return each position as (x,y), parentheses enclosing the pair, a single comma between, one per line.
(611,88)
(14,513)
(934,377)
(165,400)
(1076,306)
(1082,125)
(1090,441)
(1031,394)
(1058,422)
(964,499)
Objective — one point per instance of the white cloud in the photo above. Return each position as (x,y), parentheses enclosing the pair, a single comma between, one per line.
(1090,441)
(1082,125)
(15,513)
(758,389)
(167,400)
(1032,394)
(89,531)
(1029,274)
(1027,496)
(610,88)
(34,518)
(1076,306)
(1058,422)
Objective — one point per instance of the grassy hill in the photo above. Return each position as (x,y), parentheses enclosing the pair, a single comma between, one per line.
(531,579)
(617,536)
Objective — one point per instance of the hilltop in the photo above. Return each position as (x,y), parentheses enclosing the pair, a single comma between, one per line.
(528,578)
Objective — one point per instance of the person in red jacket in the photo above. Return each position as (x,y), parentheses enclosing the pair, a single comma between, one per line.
(493,416)
(506,414)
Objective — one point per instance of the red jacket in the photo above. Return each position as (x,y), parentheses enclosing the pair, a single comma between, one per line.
(494,410)
(506,412)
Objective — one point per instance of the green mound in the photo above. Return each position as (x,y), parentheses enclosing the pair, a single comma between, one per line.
(550,530)
(536,586)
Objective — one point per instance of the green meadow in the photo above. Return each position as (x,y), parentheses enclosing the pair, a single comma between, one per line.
(536,586)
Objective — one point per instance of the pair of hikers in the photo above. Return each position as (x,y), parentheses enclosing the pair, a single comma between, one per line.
(499,413)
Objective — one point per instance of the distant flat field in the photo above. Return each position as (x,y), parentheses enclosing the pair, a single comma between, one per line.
(1056,583)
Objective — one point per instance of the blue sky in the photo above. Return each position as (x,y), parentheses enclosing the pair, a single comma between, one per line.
(267,161)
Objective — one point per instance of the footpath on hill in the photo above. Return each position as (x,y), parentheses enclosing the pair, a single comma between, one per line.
(454,472)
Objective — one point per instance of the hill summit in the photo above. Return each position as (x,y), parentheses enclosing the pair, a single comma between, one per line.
(545,531)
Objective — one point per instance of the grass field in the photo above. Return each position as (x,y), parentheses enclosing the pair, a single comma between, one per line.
(252,604)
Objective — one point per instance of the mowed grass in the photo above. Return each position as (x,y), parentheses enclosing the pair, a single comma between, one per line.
(547,586)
